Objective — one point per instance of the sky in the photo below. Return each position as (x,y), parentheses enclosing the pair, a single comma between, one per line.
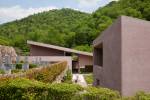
(16,9)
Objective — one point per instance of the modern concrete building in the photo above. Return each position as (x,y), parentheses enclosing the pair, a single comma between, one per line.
(82,60)
(122,56)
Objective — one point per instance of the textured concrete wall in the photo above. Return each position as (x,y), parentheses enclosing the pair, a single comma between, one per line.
(135,55)
(85,60)
(109,75)
(42,51)
(126,56)
(49,59)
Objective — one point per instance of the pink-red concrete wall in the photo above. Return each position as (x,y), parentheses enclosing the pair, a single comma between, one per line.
(85,60)
(135,56)
(49,59)
(109,73)
(126,56)
(42,51)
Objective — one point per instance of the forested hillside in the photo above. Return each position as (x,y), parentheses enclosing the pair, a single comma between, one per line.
(70,28)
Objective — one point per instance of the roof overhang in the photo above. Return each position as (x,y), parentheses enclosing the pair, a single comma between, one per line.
(59,48)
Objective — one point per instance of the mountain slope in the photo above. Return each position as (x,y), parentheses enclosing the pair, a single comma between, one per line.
(70,28)
(106,15)
(55,27)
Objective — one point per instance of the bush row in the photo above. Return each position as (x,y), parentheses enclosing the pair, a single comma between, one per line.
(43,74)
(48,73)
(25,89)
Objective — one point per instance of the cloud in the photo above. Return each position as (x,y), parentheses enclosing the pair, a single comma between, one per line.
(87,3)
(113,0)
(17,12)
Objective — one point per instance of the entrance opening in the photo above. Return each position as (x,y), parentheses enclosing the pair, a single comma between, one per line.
(97,82)
(98,55)
(88,68)
(68,54)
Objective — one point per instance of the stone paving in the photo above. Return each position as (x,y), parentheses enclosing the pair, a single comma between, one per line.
(79,79)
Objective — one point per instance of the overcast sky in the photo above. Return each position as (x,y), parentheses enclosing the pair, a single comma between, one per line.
(16,9)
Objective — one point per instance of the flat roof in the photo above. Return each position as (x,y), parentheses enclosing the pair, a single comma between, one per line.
(58,48)
(121,19)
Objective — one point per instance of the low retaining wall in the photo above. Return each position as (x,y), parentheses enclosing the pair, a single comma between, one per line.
(49,59)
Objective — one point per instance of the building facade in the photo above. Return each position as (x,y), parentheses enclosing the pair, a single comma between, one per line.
(82,60)
(122,56)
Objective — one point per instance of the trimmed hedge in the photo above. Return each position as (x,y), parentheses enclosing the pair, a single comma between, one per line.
(48,73)
(21,89)
(94,93)
(25,89)
(44,74)
(63,91)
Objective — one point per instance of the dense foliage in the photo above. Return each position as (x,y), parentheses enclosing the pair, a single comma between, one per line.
(68,27)
(56,27)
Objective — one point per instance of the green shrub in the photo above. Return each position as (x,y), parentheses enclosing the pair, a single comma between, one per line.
(4,41)
(89,78)
(94,93)
(82,70)
(21,89)
(2,71)
(32,66)
(45,74)
(48,73)
(21,61)
(142,96)
(138,96)
(25,89)
(68,77)
(16,71)
(63,91)
(19,66)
